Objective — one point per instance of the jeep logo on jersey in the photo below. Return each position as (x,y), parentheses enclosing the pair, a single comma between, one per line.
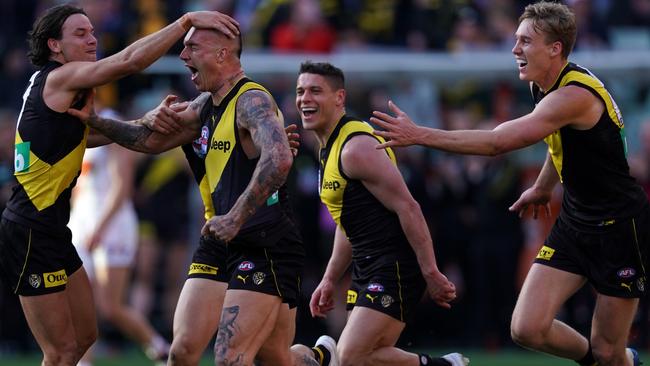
(331,184)
(53,279)
(200,145)
(221,145)
(626,272)
(246,266)
(375,287)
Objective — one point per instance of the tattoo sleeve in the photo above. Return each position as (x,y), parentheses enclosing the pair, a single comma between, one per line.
(257,112)
(131,135)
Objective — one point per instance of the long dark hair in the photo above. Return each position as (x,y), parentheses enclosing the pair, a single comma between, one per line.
(48,26)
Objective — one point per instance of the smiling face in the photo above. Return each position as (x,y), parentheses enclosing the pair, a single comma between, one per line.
(537,58)
(204,52)
(320,106)
(77,43)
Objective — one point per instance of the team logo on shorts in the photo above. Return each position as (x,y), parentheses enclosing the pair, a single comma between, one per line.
(626,273)
(387,301)
(35,280)
(375,287)
(258,278)
(545,253)
(352,297)
(246,266)
(640,284)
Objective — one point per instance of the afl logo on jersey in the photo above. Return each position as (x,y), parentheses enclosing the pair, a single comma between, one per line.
(375,287)
(246,266)
(200,145)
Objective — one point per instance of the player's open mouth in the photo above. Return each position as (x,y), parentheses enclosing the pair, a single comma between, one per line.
(308,111)
(522,63)
(193,70)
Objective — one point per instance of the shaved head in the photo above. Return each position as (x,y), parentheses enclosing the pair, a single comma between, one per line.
(216,38)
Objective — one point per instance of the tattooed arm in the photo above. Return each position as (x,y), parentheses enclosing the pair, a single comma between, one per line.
(256,113)
(137,135)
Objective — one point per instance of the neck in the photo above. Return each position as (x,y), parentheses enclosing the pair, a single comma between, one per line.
(324,134)
(225,86)
(551,75)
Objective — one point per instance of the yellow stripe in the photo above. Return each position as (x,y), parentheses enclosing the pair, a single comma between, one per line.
(636,242)
(206,197)
(320,354)
(43,183)
(29,247)
(399,286)
(597,85)
(275,279)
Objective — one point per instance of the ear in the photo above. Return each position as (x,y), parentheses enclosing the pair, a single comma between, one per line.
(340,98)
(54,45)
(221,54)
(555,48)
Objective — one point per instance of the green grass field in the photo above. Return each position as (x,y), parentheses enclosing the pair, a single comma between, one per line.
(477,357)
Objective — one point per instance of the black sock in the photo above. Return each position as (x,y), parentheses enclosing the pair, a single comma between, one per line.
(426,360)
(321,354)
(588,359)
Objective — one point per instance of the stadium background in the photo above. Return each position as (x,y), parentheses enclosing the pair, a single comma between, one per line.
(445,62)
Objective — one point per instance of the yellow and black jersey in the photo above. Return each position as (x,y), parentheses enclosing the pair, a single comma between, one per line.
(49,148)
(372,229)
(592,164)
(223,171)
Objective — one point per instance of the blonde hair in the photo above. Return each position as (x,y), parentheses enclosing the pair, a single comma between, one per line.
(556,21)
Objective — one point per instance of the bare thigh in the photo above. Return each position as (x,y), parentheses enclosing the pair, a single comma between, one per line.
(248,318)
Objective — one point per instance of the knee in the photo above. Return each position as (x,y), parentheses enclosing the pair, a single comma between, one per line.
(63,353)
(231,357)
(527,335)
(348,356)
(606,353)
(85,341)
(184,352)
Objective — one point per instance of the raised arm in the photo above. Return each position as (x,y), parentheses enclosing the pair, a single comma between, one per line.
(257,114)
(137,56)
(360,160)
(137,135)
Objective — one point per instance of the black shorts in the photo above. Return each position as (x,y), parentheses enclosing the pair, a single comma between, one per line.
(613,260)
(394,288)
(274,270)
(33,263)
(209,260)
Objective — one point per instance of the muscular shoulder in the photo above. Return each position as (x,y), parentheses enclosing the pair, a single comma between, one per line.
(255,106)
(572,105)
(360,158)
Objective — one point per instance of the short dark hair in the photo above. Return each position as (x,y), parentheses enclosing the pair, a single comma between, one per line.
(556,21)
(331,73)
(48,25)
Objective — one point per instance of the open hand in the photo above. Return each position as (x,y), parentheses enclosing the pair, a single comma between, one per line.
(164,119)
(398,130)
(88,110)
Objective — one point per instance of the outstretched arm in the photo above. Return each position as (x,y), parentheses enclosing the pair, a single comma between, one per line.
(569,105)
(257,114)
(136,135)
(360,160)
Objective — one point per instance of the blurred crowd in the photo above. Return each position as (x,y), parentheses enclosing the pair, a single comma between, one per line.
(480,245)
